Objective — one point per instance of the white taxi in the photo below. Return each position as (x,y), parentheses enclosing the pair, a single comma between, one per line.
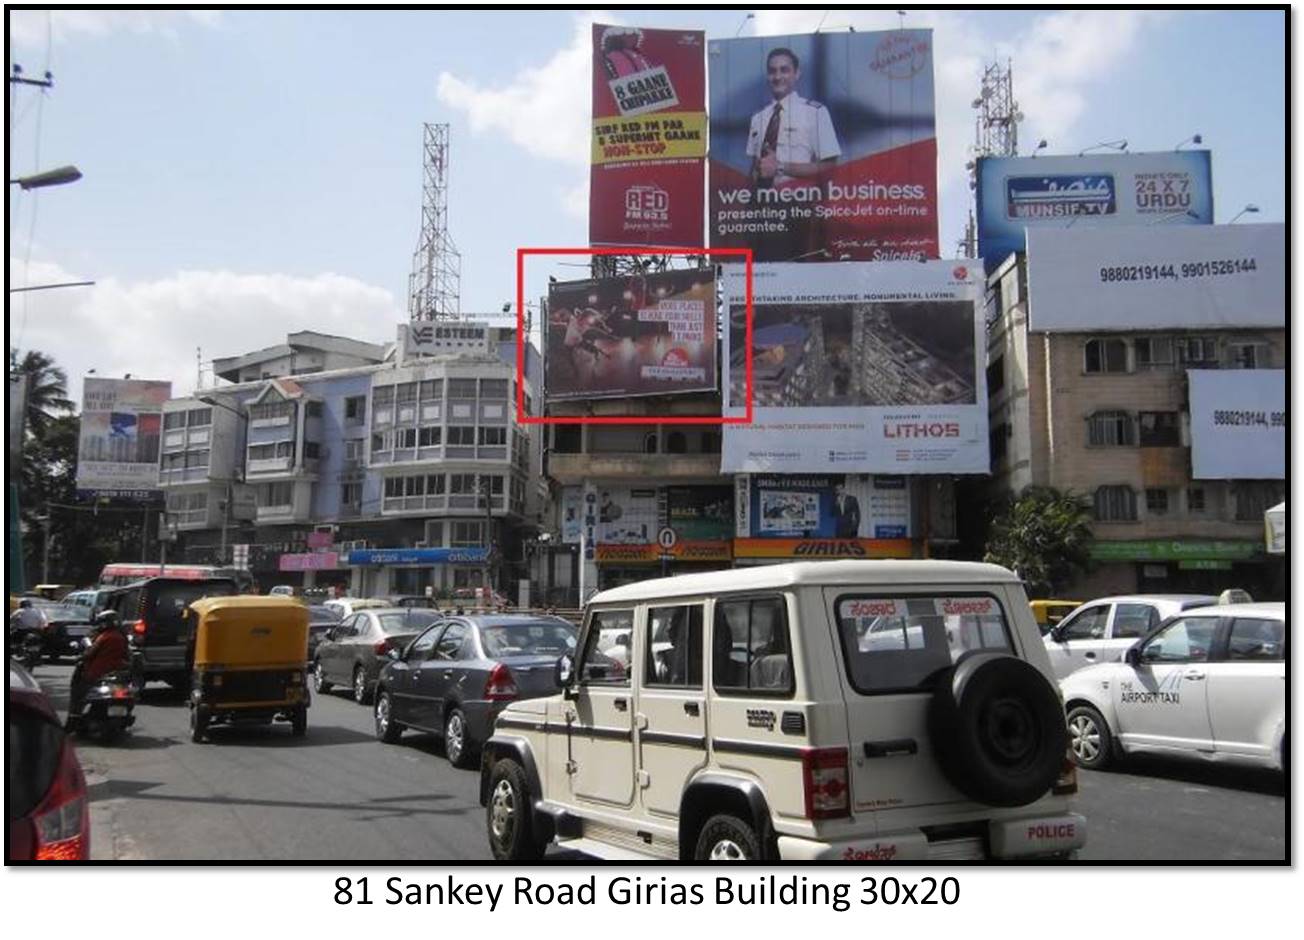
(1209,683)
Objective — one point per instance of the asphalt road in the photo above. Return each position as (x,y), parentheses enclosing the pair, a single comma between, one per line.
(338,794)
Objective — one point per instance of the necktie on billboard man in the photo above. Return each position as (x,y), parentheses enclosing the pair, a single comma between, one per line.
(852,170)
(648,137)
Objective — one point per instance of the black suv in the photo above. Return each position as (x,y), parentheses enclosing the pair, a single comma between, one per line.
(153,612)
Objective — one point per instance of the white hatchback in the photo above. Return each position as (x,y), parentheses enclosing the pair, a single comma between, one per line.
(1101,631)
(1211,683)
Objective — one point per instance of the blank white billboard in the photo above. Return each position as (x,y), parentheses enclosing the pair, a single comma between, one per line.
(1238,424)
(1154,277)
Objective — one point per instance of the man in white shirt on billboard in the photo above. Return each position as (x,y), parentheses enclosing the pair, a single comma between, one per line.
(791,137)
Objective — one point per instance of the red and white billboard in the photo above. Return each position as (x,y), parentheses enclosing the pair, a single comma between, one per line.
(824,147)
(649,136)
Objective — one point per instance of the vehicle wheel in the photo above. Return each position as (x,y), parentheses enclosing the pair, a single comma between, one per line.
(457,746)
(510,814)
(361,694)
(299,722)
(387,729)
(727,838)
(997,729)
(1090,742)
(319,683)
(137,682)
(198,723)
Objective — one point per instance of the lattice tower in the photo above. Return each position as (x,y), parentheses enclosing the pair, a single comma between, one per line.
(434,286)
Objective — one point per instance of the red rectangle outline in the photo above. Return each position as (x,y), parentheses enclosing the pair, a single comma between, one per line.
(523,418)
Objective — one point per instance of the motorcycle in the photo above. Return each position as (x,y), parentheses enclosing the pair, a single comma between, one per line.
(107,706)
(32,646)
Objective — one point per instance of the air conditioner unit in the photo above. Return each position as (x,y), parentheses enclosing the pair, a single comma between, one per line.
(332,529)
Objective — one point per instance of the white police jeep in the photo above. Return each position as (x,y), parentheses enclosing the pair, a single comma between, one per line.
(853,710)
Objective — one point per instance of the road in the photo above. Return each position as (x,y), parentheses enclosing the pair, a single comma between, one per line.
(340,794)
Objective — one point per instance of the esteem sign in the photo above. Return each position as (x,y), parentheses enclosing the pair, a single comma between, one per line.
(1238,424)
(1157,277)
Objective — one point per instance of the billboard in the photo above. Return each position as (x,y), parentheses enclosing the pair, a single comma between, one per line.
(823,146)
(649,137)
(442,339)
(1238,424)
(646,334)
(117,452)
(836,506)
(1018,193)
(626,516)
(700,512)
(859,367)
(1157,277)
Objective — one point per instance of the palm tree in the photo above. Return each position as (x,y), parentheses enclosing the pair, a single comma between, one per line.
(47,388)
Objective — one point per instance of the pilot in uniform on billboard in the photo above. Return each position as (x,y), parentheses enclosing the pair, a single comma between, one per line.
(792,138)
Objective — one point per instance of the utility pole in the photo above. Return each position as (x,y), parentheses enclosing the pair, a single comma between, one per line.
(45,546)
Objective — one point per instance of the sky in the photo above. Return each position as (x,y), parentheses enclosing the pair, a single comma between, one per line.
(252,173)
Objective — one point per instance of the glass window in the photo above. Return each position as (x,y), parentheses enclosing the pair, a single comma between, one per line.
(607,649)
(461,483)
(432,389)
(1160,428)
(1256,639)
(355,408)
(1153,350)
(674,647)
(1156,501)
(493,436)
(1246,356)
(1105,355)
(461,435)
(384,395)
(1088,625)
(435,484)
(406,393)
(1195,499)
(393,486)
(1134,620)
(429,436)
(380,442)
(900,644)
(199,417)
(1115,504)
(312,409)
(422,645)
(1254,498)
(1186,640)
(1110,429)
(311,450)
(197,458)
(173,420)
(1198,349)
(414,486)
(461,388)
(351,494)
(750,648)
(466,535)
(405,437)
(493,388)
(450,643)
(996,375)
(534,639)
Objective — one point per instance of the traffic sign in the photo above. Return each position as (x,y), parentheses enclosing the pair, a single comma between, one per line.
(667,538)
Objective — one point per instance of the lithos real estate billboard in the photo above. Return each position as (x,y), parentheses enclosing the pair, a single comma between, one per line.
(823,146)
(860,367)
(1015,194)
(1157,277)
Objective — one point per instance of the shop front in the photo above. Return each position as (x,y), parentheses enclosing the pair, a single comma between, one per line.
(625,564)
(1189,566)
(378,572)
(317,569)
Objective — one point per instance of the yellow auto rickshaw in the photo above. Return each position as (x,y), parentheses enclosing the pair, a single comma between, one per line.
(1047,613)
(249,654)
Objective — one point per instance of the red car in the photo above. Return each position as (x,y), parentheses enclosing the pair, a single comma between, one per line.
(49,813)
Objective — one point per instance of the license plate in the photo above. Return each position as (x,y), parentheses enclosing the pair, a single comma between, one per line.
(116,711)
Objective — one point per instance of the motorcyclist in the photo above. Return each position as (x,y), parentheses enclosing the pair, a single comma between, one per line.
(27,620)
(107,653)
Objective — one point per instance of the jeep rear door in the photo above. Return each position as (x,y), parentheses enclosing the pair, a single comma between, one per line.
(599,719)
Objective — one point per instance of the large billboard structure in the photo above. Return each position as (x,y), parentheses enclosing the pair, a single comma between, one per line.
(645,334)
(1015,194)
(858,368)
(1157,277)
(649,137)
(1238,424)
(823,146)
(121,422)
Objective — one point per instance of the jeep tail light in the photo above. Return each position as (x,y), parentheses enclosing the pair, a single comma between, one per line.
(1067,781)
(62,820)
(500,687)
(138,627)
(826,782)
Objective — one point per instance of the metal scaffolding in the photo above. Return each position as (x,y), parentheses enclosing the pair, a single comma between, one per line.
(434,286)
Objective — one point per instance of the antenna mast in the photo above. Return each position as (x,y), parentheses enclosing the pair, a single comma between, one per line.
(996,133)
(434,286)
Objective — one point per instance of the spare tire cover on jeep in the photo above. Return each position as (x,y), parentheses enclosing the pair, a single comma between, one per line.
(997,729)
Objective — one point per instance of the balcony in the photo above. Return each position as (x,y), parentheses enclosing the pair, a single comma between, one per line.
(283,513)
(574,468)
(270,465)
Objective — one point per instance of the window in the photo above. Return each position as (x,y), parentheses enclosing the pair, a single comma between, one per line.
(996,375)
(384,395)
(674,647)
(406,393)
(1105,355)
(173,420)
(1254,498)
(405,437)
(311,450)
(196,458)
(382,441)
(606,650)
(422,645)
(1186,640)
(199,417)
(466,535)
(710,442)
(276,494)
(435,484)
(351,494)
(1134,620)
(355,409)
(676,443)
(271,409)
(1195,499)
(1196,350)
(414,486)
(461,435)
(1110,429)
(393,487)
(430,436)
(432,389)
(495,485)
(1153,351)
(750,648)
(461,483)
(173,461)
(1247,355)
(566,439)
(1160,428)
(999,439)
(353,450)
(493,436)
(461,388)
(899,644)
(1256,640)
(493,388)
(1115,504)
(1156,501)
(1088,625)
(312,409)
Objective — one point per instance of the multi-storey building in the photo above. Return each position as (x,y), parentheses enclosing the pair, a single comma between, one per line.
(1107,415)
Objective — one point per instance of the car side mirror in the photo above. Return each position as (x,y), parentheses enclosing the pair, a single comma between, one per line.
(563,674)
(1133,656)
(1057,634)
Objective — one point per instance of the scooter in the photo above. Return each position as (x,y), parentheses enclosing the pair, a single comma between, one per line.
(106,708)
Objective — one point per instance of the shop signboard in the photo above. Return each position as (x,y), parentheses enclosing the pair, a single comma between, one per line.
(814,549)
(1175,550)
(309,561)
(417,556)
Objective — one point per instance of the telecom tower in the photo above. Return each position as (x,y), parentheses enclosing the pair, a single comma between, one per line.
(996,133)
(434,286)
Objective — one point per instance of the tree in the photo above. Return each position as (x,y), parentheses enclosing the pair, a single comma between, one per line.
(47,388)
(1044,536)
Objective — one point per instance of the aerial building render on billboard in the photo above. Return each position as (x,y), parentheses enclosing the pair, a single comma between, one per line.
(649,136)
(1238,424)
(858,368)
(647,334)
(1019,193)
(823,146)
(121,423)
(1157,277)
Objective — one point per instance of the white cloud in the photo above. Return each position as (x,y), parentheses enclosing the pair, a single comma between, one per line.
(31,27)
(575,201)
(152,328)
